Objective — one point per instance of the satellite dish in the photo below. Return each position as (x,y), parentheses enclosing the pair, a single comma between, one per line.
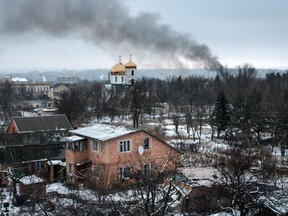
(140,150)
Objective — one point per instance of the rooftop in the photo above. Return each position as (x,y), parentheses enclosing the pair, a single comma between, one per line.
(42,123)
(103,132)
(200,176)
(32,179)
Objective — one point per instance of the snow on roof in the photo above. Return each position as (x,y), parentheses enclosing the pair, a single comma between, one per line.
(201,176)
(59,187)
(74,138)
(103,132)
(32,179)
(19,79)
(56,162)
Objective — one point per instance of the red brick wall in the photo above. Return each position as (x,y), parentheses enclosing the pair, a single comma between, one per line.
(75,157)
(157,155)
(109,154)
(11,128)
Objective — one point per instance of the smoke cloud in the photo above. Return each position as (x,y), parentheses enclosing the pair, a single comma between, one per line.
(105,23)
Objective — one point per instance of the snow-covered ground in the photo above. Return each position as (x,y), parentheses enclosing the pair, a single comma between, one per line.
(205,149)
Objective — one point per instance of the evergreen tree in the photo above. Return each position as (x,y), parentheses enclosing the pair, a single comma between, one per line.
(220,116)
(247,120)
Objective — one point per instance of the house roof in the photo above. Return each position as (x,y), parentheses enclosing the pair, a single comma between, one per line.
(73,138)
(60,84)
(103,132)
(42,123)
(19,79)
(32,179)
(200,176)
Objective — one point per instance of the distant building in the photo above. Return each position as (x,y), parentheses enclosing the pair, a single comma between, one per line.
(123,74)
(35,89)
(55,91)
(23,86)
(69,80)
(19,80)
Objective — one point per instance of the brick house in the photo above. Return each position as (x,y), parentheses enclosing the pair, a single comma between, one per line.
(115,152)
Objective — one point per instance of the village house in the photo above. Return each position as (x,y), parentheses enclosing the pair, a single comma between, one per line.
(35,145)
(56,90)
(38,124)
(116,152)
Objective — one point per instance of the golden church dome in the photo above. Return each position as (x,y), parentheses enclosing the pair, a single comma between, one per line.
(119,68)
(131,64)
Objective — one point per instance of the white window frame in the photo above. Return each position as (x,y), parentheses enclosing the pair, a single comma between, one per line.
(125,146)
(97,145)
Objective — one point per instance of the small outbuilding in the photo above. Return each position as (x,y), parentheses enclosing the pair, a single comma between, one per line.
(32,186)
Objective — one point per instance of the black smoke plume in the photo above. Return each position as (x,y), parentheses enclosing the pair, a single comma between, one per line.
(105,23)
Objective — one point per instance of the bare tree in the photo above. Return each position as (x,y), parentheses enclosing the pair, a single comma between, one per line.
(240,176)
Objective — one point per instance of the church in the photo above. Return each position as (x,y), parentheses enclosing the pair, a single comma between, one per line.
(123,74)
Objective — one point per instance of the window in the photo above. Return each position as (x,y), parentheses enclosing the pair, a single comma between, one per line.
(71,146)
(38,166)
(95,170)
(146,144)
(147,169)
(95,145)
(122,79)
(125,146)
(115,79)
(69,168)
(77,146)
(83,146)
(125,173)
(132,72)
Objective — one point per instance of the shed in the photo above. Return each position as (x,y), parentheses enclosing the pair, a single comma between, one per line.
(32,186)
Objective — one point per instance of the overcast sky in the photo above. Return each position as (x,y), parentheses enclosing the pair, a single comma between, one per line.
(231,32)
